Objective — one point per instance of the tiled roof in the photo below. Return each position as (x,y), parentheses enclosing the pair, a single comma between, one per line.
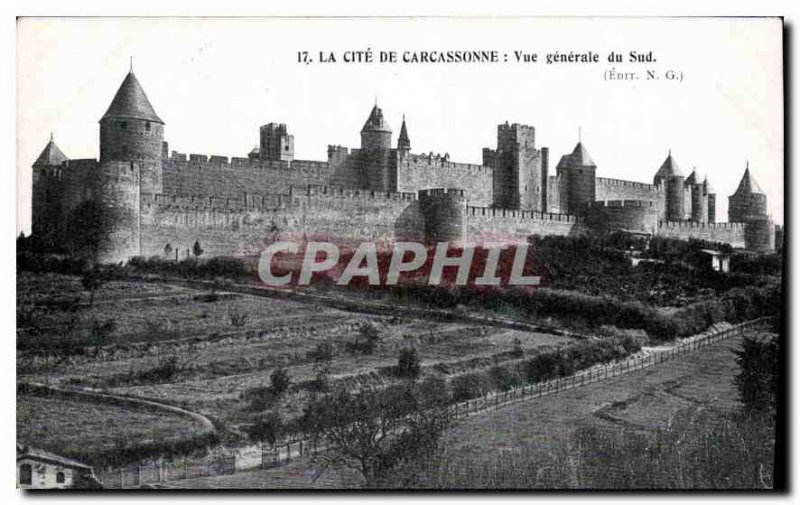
(131,102)
(748,184)
(692,179)
(51,155)
(669,168)
(27,452)
(403,133)
(375,121)
(579,157)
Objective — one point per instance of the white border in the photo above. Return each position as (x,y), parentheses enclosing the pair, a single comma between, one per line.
(12,9)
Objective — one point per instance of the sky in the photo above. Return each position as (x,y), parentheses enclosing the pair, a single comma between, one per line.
(214,81)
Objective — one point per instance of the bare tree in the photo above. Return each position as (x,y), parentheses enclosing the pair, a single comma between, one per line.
(374,431)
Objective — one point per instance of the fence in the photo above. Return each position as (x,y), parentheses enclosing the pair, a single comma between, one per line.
(600,372)
(264,456)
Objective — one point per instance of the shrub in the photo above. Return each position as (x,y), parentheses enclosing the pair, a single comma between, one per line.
(504,378)
(366,341)
(269,427)
(197,250)
(758,381)
(517,351)
(238,319)
(408,364)
(279,381)
(469,386)
(434,391)
(258,398)
(100,334)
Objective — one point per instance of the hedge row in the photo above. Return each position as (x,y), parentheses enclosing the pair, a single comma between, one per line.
(736,305)
(542,367)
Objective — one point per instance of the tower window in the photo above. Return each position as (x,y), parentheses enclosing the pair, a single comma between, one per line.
(60,478)
(124,125)
(147,126)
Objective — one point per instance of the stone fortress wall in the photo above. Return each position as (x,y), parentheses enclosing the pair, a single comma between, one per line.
(160,204)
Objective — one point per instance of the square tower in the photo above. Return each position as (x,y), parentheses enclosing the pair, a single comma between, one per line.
(275,143)
(519,179)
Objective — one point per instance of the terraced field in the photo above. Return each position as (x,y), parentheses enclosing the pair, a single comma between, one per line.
(225,344)
(641,401)
(83,429)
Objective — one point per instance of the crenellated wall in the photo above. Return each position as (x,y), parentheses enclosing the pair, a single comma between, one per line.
(488,226)
(426,171)
(730,233)
(220,176)
(628,215)
(243,226)
(618,189)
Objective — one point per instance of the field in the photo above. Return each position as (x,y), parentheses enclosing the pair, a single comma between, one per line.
(641,402)
(62,425)
(225,344)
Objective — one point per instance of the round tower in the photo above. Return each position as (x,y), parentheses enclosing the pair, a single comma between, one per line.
(376,134)
(578,170)
(131,139)
(47,196)
(699,202)
(638,216)
(130,128)
(444,211)
(670,177)
(712,200)
(759,235)
(749,202)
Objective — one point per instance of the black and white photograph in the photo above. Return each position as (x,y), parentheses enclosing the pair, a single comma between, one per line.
(400,253)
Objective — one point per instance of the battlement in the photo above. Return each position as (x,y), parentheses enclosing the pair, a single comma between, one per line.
(638,204)
(342,192)
(440,161)
(695,225)
(605,181)
(239,162)
(531,215)
(338,149)
(456,193)
(215,203)
(515,129)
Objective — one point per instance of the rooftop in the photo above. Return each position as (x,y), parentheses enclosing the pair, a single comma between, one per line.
(131,102)
(669,168)
(748,184)
(579,157)
(375,121)
(51,155)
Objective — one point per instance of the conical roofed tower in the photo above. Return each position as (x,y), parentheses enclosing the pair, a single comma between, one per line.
(376,134)
(748,185)
(578,170)
(671,178)
(51,155)
(130,129)
(403,142)
(749,201)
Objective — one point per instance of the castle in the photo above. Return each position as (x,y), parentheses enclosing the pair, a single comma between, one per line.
(157,203)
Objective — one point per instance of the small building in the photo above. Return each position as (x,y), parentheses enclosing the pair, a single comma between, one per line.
(719,261)
(40,469)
